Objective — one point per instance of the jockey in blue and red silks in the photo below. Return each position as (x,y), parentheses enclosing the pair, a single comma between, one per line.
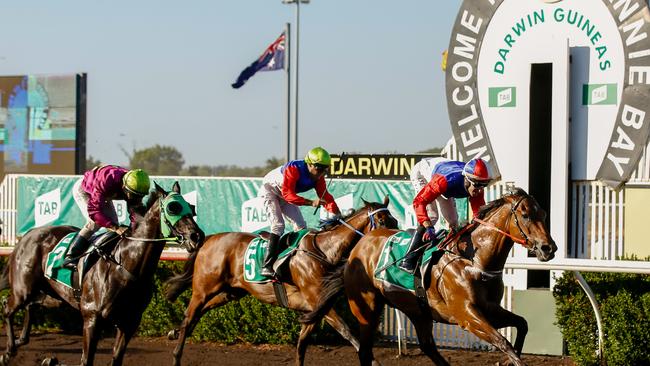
(438,182)
(280,190)
(94,194)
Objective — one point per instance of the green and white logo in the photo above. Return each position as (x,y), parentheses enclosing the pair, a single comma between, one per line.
(47,207)
(504,97)
(253,215)
(599,94)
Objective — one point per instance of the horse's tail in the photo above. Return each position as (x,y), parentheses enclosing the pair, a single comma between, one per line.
(179,283)
(332,285)
(4,277)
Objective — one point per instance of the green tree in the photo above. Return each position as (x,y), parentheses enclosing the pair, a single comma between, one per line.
(157,160)
(233,170)
(92,162)
(433,151)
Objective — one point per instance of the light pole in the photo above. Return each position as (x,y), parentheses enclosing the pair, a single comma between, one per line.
(295,68)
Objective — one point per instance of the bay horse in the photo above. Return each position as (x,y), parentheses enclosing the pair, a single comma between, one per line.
(216,273)
(464,287)
(114,291)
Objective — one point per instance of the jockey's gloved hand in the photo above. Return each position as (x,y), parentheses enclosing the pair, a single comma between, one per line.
(429,234)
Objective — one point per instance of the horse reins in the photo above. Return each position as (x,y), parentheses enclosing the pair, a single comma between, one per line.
(492,227)
(371,215)
(373,225)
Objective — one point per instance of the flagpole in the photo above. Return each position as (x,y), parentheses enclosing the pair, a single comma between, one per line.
(295,73)
(287,69)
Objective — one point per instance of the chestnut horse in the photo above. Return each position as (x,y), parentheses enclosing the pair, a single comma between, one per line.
(464,287)
(216,273)
(114,291)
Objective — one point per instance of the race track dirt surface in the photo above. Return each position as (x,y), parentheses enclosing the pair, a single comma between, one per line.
(158,352)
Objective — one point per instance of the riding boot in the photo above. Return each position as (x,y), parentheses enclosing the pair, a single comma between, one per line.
(411,256)
(76,249)
(271,255)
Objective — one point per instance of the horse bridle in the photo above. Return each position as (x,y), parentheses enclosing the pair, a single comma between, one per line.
(371,216)
(521,231)
(513,212)
(173,236)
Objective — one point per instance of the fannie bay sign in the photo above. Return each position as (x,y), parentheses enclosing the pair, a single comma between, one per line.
(495,42)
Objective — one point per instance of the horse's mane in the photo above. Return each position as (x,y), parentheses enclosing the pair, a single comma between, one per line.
(516,191)
(153,197)
(141,211)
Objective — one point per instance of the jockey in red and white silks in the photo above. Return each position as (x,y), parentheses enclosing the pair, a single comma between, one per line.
(449,180)
(280,189)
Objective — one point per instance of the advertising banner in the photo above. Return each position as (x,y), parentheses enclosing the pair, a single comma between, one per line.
(222,204)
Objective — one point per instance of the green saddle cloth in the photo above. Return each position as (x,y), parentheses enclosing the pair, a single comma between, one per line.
(393,252)
(55,258)
(257,248)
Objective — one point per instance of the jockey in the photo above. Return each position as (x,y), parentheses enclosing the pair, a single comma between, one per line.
(94,193)
(449,180)
(280,189)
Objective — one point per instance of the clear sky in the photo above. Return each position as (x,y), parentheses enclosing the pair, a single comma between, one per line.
(159,72)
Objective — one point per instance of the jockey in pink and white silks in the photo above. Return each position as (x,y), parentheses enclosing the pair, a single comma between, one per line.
(94,194)
(280,189)
(448,180)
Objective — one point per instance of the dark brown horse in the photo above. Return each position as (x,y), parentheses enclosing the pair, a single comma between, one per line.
(465,287)
(114,291)
(216,273)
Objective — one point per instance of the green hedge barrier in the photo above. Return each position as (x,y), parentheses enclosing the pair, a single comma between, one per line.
(624,301)
(247,320)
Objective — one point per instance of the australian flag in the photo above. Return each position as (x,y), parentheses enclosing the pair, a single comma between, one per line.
(272,59)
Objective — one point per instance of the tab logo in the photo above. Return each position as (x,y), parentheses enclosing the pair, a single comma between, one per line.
(253,215)
(47,207)
(599,94)
(503,97)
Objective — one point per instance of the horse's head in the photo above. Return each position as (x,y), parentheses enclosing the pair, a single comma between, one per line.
(177,218)
(378,214)
(528,223)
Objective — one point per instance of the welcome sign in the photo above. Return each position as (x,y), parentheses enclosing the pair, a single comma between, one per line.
(495,42)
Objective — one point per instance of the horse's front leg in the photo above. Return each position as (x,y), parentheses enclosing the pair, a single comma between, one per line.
(334,319)
(301,347)
(8,311)
(91,334)
(122,338)
(474,321)
(501,318)
(199,305)
(27,326)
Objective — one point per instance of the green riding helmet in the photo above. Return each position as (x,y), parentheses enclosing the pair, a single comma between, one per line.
(319,156)
(136,181)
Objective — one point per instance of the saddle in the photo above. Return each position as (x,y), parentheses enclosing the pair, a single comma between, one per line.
(101,246)
(254,255)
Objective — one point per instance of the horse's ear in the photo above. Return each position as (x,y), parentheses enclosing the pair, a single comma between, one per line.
(365,203)
(176,187)
(386,200)
(159,189)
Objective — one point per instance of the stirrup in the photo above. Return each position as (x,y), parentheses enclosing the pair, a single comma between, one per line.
(408,270)
(267,272)
(70,264)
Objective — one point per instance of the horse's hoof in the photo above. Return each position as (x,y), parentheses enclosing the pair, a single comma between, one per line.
(376,363)
(4,359)
(172,335)
(50,361)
